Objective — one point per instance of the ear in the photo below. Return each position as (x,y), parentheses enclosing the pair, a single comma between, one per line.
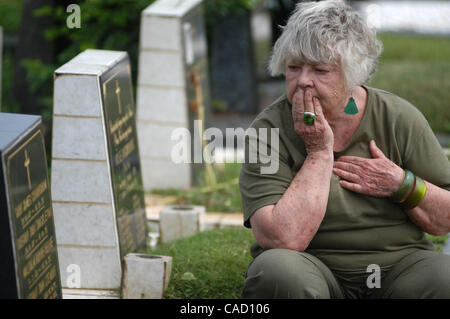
(376,152)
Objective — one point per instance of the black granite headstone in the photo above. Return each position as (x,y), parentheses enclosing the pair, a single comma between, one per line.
(120,119)
(233,70)
(28,254)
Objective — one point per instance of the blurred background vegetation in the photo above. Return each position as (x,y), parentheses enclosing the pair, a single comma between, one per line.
(211,264)
(417,68)
(37,41)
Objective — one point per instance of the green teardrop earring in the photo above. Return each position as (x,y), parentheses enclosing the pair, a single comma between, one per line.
(351,107)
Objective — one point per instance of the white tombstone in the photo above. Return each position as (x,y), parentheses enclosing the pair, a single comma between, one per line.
(172,47)
(97,192)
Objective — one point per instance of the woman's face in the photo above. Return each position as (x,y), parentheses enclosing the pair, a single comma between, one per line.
(326,82)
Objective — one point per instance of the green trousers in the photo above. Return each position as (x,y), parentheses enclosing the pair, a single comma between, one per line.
(283,273)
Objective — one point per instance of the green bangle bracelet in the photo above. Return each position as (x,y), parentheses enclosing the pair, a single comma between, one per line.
(405,187)
(416,196)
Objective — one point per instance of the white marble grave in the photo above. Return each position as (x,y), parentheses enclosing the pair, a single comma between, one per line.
(84,207)
(172,43)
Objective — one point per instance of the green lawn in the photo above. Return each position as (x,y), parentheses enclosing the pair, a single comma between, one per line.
(438,241)
(414,48)
(211,264)
(418,69)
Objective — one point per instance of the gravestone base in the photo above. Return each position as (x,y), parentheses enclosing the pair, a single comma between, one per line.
(90,294)
(144,277)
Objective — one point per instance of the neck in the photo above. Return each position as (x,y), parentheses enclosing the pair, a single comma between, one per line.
(338,119)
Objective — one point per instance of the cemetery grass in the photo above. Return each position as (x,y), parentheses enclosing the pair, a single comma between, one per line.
(438,241)
(417,69)
(209,265)
(212,264)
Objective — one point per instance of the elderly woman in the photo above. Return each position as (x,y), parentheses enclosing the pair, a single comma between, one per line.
(360,175)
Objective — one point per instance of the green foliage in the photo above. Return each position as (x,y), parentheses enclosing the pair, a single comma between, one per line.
(425,84)
(223,197)
(219,8)
(418,70)
(39,76)
(8,70)
(399,47)
(211,264)
(219,105)
(108,25)
(438,241)
(10,13)
(11,16)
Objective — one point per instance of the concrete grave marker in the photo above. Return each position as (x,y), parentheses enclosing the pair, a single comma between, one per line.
(180,221)
(29,265)
(97,189)
(146,276)
(173,88)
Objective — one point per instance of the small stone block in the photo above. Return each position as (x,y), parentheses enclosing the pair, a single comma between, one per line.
(145,276)
(180,221)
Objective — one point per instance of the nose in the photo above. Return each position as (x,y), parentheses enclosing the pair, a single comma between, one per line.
(304,79)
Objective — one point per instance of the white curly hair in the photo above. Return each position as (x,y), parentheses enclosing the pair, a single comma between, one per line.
(328,32)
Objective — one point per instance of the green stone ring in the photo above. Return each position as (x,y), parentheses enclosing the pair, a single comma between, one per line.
(308,118)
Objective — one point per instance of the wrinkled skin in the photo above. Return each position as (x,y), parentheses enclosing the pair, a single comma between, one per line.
(319,89)
(378,177)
